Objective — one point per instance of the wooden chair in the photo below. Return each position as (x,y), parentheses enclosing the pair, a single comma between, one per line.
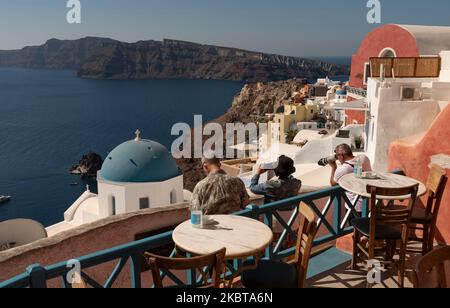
(433,270)
(384,225)
(426,219)
(213,261)
(273,274)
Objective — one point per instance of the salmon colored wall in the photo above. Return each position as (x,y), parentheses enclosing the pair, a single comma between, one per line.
(354,115)
(390,36)
(413,156)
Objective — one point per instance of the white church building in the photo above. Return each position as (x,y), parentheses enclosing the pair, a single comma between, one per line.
(138,174)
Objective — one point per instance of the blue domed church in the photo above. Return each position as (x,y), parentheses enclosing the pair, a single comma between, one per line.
(138,174)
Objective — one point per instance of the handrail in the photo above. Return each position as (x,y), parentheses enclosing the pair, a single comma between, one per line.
(358,91)
(37,275)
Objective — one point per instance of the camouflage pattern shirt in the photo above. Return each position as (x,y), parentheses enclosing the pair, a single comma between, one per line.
(220,194)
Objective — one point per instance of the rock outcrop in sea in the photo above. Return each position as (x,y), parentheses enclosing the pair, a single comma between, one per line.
(88,165)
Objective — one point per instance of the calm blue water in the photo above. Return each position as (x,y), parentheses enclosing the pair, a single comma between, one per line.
(49,119)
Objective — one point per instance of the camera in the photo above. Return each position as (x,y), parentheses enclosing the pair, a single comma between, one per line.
(327,160)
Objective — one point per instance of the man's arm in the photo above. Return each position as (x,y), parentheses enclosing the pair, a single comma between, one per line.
(256,188)
(196,195)
(333,174)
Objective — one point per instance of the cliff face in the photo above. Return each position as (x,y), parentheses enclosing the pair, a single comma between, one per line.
(54,54)
(177,59)
(257,99)
(103,58)
(254,100)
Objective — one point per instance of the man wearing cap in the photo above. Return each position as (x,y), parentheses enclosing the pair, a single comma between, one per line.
(285,186)
(219,193)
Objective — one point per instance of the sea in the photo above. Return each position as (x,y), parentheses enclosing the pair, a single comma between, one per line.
(50,118)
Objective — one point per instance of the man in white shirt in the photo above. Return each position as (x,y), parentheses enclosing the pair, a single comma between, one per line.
(347,161)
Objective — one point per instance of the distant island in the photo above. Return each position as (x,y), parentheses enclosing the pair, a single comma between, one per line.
(104,58)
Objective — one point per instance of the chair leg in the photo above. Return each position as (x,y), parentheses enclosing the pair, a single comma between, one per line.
(401,265)
(371,257)
(426,240)
(356,239)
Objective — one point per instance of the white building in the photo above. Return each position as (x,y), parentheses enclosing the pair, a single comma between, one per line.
(403,107)
(138,174)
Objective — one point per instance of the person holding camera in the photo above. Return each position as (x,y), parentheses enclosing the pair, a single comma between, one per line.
(285,186)
(348,161)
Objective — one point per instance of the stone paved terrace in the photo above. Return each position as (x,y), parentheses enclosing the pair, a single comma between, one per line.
(342,276)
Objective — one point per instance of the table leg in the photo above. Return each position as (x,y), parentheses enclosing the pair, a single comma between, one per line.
(350,210)
(228,282)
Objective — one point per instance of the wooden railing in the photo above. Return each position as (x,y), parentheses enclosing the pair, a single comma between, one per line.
(414,67)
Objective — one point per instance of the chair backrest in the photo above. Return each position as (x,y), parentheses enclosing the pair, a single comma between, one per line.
(214,262)
(386,215)
(433,270)
(305,240)
(436,184)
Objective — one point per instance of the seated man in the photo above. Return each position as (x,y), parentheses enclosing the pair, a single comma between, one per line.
(347,161)
(219,193)
(285,186)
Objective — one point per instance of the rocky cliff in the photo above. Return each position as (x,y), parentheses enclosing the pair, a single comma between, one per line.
(251,103)
(257,99)
(54,54)
(178,59)
(103,58)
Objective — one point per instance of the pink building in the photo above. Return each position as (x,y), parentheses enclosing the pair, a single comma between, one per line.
(393,41)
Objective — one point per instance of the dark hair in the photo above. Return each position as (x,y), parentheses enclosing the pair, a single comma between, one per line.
(345,149)
(211,160)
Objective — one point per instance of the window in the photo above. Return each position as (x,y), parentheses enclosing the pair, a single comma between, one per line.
(173,197)
(144,203)
(113,206)
(367,73)
(387,53)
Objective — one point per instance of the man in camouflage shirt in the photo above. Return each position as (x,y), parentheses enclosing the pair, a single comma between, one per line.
(219,193)
(284,187)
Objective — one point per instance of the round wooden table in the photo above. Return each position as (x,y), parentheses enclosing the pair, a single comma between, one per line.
(358,186)
(242,237)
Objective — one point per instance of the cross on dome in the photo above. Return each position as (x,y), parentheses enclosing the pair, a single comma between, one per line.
(138,135)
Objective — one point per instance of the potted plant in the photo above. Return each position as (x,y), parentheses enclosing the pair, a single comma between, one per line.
(359,142)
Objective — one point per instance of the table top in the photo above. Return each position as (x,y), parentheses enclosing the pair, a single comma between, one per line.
(358,186)
(241,236)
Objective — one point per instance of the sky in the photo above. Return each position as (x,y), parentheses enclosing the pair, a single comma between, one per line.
(288,27)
